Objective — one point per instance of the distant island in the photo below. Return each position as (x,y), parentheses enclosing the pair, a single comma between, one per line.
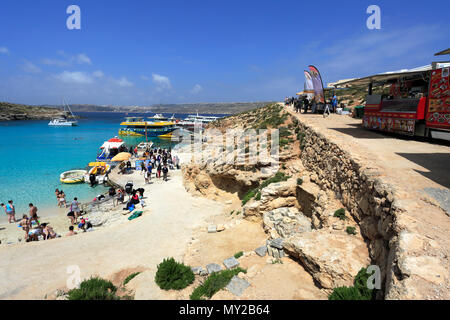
(201,108)
(12,111)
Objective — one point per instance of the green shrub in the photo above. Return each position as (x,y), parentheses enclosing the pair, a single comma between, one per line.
(340,213)
(173,275)
(215,282)
(278,177)
(299,181)
(359,291)
(351,230)
(345,293)
(231,213)
(239,254)
(360,283)
(248,196)
(94,289)
(130,277)
(258,196)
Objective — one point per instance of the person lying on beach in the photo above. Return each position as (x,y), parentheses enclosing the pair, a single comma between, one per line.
(71,232)
(48,232)
(33,234)
(33,214)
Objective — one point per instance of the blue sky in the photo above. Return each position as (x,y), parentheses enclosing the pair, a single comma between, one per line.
(146,52)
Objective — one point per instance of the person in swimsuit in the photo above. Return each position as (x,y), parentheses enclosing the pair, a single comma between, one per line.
(71,216)
(71,232)
(57,196)
(33,214)
(62,199)
(48,231)
(10,211)
(25,224)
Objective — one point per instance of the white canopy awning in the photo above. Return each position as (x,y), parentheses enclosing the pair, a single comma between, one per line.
(112,145)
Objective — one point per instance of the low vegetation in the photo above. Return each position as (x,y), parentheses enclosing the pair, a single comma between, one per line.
(173,275)
(215,282)
(351,230)
(130,277)
(239,254)
(94,288)
(278,177)
(340,213)
(299,181)
(359,290)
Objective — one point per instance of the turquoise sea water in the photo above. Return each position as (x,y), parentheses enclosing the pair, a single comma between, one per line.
(33,155)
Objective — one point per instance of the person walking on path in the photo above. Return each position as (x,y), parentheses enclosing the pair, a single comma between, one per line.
(10,211)
(334,103)
(327,109)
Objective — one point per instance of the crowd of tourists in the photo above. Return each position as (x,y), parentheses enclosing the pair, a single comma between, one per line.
(303,103)
(156,160)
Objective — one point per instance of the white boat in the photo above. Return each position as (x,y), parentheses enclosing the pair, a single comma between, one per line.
(191,121)
(64,121)
(158,117)
(73,176)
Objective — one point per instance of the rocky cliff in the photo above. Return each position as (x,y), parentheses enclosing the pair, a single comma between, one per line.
(334,215)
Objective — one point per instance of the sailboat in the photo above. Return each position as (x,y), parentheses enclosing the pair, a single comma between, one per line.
(64,121)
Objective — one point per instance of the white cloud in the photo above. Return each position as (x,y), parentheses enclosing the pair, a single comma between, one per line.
(163,82)
(30,68)
(68,60)
(98,74)
(77,77)
(82,58)
(55,62)
(4,50)
(196,89)
(123,82)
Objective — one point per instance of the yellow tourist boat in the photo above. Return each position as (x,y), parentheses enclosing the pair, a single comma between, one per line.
(138,127)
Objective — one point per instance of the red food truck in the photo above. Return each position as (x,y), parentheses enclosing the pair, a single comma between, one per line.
(413,102)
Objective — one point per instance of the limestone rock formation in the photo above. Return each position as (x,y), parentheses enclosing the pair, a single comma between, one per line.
(332,258)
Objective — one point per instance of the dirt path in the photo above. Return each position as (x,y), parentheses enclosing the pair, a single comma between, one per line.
(32,270)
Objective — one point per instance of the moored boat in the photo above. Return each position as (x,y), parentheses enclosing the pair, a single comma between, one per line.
(73,176)
(136,126)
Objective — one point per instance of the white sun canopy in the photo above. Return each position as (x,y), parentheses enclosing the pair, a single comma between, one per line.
(389,75)
(112,145)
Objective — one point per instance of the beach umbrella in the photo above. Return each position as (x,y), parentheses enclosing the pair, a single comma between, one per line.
(123,156)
